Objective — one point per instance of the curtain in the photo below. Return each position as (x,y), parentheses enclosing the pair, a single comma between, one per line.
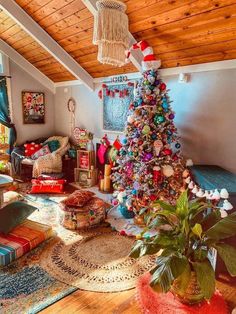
(5,113)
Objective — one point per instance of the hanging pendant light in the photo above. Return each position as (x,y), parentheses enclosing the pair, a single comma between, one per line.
(111,32)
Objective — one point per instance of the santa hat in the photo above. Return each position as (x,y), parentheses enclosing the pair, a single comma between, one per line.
(150,61)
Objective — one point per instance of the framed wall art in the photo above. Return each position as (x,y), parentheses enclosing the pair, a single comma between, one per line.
(116,100)
(33,104)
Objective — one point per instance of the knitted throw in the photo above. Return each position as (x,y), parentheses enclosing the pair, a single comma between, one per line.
(111,32)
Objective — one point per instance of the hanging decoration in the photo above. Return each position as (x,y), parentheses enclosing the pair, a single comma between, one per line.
(71,105)
(111,32)
(119,79)
(118,91)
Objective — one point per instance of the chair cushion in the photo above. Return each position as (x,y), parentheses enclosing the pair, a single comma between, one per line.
(47,186)
(14,214)
(78,198)
(42,152)
(53,145)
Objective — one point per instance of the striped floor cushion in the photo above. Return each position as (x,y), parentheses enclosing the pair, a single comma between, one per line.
(22,239)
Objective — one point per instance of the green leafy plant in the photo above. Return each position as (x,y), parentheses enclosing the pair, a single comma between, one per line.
(186,234)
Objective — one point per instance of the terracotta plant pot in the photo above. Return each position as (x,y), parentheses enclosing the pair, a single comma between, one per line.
(192,294)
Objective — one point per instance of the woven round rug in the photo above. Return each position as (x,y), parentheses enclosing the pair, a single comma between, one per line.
(97,262)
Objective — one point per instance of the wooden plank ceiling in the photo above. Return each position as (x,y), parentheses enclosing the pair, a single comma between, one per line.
(182,32)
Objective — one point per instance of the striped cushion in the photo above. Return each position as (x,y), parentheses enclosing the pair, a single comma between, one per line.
(22,239)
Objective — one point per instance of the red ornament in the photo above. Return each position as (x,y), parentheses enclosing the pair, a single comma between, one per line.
(107,92)
(162,86)
(104,85)
(121,94)
(167,151)
(156,175)
(116,90)
(122,232)
(131,106)
(175,157)
(130,84)
(153,197)
(149,97)
(125,92)
(112,94)
(100,94)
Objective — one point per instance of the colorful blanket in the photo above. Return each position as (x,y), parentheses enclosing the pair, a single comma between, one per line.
(22,239)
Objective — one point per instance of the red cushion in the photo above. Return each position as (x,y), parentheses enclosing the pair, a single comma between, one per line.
(47,186)
(31,148)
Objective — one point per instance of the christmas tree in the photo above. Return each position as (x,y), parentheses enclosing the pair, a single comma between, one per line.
(150,165)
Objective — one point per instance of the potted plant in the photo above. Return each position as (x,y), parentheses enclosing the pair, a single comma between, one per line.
(187,232)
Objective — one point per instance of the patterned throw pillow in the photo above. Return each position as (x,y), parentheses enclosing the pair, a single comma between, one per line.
(42,152)
(31,149)
(47,186)
(53,145)
(78,198)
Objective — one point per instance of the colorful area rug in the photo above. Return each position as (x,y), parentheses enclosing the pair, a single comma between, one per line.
(152,302)
(24,286)
(96,262)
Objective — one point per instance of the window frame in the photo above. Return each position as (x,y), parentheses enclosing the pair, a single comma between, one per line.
(5,65)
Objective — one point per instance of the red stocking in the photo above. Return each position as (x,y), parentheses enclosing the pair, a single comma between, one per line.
(101,153)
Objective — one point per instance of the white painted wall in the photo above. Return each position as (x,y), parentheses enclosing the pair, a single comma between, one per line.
(205,115)
(20,81)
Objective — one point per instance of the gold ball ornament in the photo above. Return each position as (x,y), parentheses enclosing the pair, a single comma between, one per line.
(167,171)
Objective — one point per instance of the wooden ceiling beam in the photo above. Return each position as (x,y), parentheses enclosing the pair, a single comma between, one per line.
(26,66)
(136,56)
(46,41)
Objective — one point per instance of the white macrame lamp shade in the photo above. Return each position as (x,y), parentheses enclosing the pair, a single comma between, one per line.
(111,32)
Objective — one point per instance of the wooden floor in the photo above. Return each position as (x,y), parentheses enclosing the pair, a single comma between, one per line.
(85,302)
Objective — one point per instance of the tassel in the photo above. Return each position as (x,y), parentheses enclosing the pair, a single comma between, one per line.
(207,195)
(216,195)
(191,185)
(195,190)
(188,180)
(200,193)
(224,193)
(223,213)
(211,195)
(189,163)
(227,205)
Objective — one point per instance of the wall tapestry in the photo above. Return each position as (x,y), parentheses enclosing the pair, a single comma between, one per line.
(33,107)
(116,101)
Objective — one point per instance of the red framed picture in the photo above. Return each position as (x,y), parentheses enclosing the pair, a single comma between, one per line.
(83,160)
